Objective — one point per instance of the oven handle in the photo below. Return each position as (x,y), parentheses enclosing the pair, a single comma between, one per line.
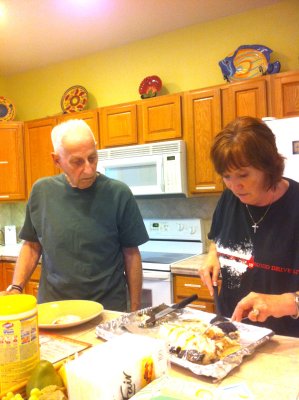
(156,275)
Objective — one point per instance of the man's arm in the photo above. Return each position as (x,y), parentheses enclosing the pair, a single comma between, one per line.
(133,271)
(26,263)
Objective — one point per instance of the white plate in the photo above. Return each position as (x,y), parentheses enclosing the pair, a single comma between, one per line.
(69,312)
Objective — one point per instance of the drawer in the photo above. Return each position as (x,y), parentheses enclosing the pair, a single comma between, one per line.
(187,285)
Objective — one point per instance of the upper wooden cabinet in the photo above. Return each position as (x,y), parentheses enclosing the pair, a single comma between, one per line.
(38,148)
(12,167)
(144,121)
(118,125)
(246,98)
(160,118)
(89,116)
(285,94)
(202,115)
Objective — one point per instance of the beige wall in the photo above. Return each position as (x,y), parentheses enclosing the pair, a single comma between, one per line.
(184,59)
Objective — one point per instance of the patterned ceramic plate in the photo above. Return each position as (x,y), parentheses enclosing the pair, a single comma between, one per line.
(7,109)
(150,86)
(74,99)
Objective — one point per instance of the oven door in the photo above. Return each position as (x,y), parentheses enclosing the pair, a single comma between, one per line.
(156,289)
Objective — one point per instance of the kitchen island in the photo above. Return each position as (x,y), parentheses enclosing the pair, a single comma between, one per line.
(271,373)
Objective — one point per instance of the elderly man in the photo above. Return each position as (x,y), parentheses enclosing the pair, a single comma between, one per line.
(86,227)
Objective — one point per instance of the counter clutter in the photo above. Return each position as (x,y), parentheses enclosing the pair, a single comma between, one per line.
(270,373)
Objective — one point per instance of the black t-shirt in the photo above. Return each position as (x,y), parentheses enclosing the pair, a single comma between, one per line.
(264,262)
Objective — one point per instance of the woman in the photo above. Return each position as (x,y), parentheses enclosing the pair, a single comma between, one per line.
(255,227)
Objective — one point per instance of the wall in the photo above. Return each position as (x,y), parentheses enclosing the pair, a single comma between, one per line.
(184,59)
(113,77)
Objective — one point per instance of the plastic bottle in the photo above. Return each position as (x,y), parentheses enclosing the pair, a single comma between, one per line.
(19,342)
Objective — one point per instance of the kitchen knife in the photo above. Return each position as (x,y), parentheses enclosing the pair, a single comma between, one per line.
(154,318)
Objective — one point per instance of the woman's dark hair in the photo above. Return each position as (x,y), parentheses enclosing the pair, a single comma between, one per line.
(245,142)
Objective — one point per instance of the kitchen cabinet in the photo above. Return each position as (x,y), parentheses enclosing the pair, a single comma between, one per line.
(245,98)
(160,118)
(7,272)
(2,287)
(12,167)
(285,94)
(89,116)
(145,121)
(202,116)
(32,286)
(118,125)
(38,147)
(187,285)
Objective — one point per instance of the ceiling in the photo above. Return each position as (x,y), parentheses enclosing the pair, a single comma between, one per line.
(37,33)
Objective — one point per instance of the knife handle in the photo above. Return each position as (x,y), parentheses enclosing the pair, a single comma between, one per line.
(185,301)
(216,300)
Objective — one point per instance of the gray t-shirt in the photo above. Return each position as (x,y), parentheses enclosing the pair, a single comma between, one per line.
(81,232)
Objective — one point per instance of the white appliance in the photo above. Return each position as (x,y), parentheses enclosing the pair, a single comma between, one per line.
(286,131)
(10,235)
(148,169)
(171,240)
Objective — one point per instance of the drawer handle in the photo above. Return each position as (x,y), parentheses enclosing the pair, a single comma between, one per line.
(193,285)
(4,196)
(201,306)
(3,162)
(205,187)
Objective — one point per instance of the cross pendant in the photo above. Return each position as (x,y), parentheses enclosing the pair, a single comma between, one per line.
(255,226)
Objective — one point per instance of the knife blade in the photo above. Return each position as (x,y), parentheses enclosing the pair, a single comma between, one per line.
(154,318)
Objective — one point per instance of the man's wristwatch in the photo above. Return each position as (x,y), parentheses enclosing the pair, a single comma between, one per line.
(14,287)
(296,316)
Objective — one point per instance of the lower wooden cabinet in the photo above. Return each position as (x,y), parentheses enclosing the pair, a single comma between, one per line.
(7,270)
(187,285)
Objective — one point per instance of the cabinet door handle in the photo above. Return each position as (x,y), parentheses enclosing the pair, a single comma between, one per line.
(193,285)
(4,196)
(3,162)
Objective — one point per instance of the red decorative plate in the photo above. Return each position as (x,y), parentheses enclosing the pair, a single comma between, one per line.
(7,109)
(150,86)
(74,99)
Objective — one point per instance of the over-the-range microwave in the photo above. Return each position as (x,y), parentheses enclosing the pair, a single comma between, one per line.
(148,169)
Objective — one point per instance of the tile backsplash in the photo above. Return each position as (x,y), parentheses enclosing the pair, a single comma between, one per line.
(152,207)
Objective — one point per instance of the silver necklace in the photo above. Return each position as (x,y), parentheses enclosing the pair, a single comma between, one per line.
(255,225)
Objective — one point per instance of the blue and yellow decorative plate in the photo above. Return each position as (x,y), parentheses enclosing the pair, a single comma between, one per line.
(7,109)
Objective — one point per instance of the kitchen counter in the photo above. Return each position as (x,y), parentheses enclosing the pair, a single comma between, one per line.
(189,266)
(10,252)
(270,373)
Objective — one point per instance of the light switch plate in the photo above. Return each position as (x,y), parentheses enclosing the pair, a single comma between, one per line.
(10,235)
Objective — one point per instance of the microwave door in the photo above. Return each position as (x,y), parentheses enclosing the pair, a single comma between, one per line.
(142,174)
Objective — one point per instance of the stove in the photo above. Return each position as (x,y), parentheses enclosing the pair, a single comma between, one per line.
(171,240)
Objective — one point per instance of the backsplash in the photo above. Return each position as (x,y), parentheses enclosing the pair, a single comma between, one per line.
(11,214)
(164,207)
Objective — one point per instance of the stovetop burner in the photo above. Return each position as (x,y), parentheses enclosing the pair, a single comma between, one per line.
(163,258)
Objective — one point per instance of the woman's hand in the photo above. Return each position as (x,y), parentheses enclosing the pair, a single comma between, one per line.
(258,306)
(209,272)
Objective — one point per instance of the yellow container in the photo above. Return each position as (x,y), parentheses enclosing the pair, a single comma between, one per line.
(19,344)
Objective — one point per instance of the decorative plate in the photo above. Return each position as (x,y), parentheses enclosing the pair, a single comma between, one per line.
(150,86)
(74,99)
(248,61)
(7,109)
